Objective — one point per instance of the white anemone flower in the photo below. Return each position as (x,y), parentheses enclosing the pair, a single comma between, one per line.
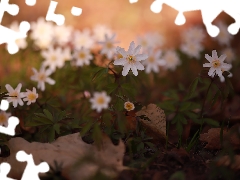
(192,48)
(31,96)
(99,32)
(129,106)
(153,61)
(100,100)
(83,39)
(42,33)
(17,99)
(4,118)
(41,77)
(53,58)
(130,59)
(230,54)
(194,33)
(62,34)
(216,65)
(108,46)
(171,60)
(82,56)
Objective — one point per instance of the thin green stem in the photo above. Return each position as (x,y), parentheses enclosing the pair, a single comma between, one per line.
(204,101)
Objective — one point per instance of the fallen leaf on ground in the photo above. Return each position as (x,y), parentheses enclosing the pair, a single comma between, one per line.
(69,150)
(156,127)
(212,137)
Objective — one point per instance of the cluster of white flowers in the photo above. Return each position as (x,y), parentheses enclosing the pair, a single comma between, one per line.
(16,95)
(192,41)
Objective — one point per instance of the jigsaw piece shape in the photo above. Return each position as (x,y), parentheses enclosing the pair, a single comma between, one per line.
(10,129)
(4,170)
(4,105)
(30,2)
(31,171)
(209,10)
(9,36)
(51,16)
(12,9)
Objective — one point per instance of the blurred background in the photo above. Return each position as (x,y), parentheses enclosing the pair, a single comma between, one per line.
(127,20)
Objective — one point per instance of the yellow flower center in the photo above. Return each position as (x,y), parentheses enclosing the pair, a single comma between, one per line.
(31,96)
(216,63)
(129,106)
(100,100)
(131,59)
(42,77)
(2,118)
(151,59)
(53,58)
(109,45)
(81,55)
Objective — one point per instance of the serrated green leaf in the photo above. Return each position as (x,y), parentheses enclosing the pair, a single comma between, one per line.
(48,114)
(211,122)
(111,87)
(167,105)
(56,127)
(192,88)
(51,135)
(185,106)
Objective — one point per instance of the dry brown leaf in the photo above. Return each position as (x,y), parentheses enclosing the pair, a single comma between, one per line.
(212,137)
(68,150)
(225,161)
(157,124)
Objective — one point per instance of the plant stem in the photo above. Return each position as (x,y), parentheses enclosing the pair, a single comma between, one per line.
(204,101)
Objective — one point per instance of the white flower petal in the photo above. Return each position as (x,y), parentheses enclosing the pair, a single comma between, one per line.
(126,69)
(131,48)
(134,70)
(120,61)
(140,57)
(139,65)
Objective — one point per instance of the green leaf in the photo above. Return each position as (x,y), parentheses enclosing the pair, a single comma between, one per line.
(140,146)
(185,106)
(211,122)
(192,88)
(167,105)
(111,87)
(99,73)
(179,128)
(51,135)
(48,114)
(56,127)
(86,128)
(179,175)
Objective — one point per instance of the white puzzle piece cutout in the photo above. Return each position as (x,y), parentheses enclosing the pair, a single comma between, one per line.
(210,9)
(31,170)
(30,2)
(4,170)
(7,35)
(12,121)
(59,19)
(133,1)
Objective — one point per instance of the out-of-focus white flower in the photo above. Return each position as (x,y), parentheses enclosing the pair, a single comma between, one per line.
(17,99)
(194,33)
(31,96)
(224,37)
(100,101)
(108,46)
(42,33)
(229,53)
(82,56)
(41,77)
(171,59)
(4,118)
(153,61)
(150,40)
(83,39)
(62,34)
(216,65)
(129,106)
(21,43)
(192,48)
(53,58)
(99,32)
(66,53)
(131,59)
